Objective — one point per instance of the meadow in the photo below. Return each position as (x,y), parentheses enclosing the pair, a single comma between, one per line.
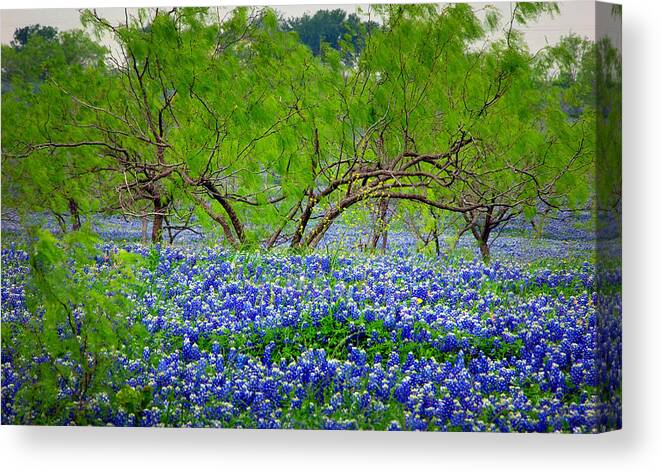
(342,339)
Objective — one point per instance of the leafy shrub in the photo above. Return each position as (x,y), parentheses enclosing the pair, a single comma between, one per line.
(76,304)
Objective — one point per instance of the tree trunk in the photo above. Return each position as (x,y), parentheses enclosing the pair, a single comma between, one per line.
(380,226)
(75,215)
(303,222)
(234,218)
(437,243)
(170,234)
(485,250)
(60,222)
(220,219)
(145,225)
(276,234)
(157,225)
(482,236)
(316,234)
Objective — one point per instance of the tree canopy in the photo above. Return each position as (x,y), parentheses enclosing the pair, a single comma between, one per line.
(334,28)
(269,131)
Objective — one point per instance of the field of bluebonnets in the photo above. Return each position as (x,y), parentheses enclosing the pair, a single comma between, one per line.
(341,339)
(394,219)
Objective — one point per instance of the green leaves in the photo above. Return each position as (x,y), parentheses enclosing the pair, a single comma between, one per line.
(246,107)
(76,322)
(133,400)
(526,12)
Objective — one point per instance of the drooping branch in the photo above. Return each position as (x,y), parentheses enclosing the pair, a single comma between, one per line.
(234,218)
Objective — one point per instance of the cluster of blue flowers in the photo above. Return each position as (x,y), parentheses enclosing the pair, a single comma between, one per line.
(391,342)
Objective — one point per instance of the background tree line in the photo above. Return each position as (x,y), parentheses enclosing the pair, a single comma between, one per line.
(269,130)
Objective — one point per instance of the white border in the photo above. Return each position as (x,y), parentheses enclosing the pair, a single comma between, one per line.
(635,448)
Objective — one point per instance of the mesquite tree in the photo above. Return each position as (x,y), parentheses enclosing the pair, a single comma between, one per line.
(527,150)
(215,97)
(540,158)
(191,94)
(230,122)
(176,113)
(33,109)
(406,120)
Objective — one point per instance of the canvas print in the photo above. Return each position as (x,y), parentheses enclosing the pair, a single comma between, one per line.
(365,217)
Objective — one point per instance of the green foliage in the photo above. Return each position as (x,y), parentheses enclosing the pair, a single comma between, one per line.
(342,32)
(238,124)
(134,401)
(76,326)
(24,34)
(34,109)
(39,52)
(608,88)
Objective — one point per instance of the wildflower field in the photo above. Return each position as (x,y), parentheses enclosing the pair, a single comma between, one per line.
(335,340)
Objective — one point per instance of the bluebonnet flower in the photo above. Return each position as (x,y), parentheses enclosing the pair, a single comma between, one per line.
(236,340)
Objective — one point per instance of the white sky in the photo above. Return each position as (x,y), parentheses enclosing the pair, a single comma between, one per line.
(575,16)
